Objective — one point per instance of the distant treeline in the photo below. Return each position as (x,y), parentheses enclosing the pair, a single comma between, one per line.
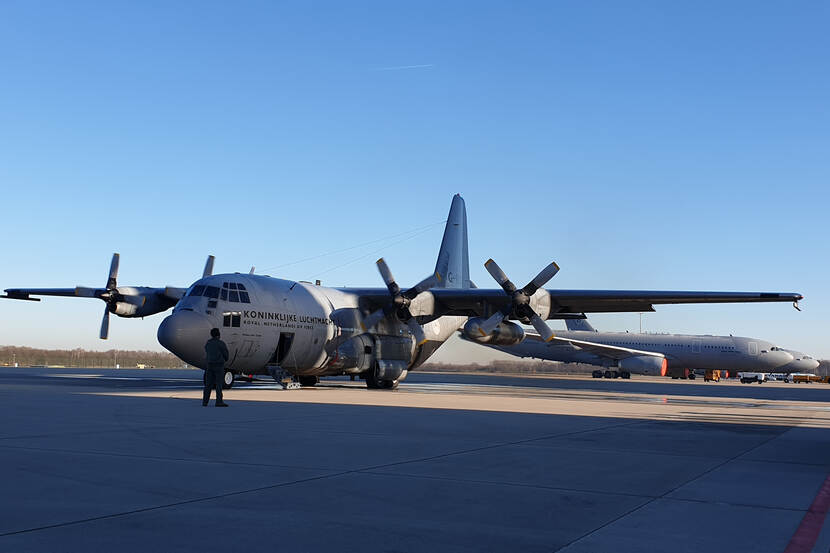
(28,357)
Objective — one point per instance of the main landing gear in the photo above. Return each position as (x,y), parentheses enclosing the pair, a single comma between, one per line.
(611,374)
(375,384)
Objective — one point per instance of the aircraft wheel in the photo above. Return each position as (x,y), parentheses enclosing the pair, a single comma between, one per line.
(608,374)
(308,380)
(625,375)
(374,384)
(596,374)
(227,382)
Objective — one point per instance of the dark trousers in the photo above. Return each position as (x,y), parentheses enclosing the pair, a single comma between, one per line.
(214,377)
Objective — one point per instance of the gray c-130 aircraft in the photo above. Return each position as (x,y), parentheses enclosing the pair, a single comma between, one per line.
(297,332)
(676,355)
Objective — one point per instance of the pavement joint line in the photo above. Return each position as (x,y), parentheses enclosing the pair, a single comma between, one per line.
(578,490)
(276,486)
(174,504)
(160,426)
(663,496)
(155,458)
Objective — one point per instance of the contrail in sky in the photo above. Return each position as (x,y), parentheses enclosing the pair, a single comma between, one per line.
(400,67)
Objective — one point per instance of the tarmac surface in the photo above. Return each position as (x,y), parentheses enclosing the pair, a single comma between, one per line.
(129,460)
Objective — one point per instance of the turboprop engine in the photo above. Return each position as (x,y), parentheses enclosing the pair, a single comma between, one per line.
(644,364)
(504,334)
(129,301)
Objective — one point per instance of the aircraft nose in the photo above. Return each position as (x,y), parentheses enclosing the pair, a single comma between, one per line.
(184,333)
(775,359)
(813,364)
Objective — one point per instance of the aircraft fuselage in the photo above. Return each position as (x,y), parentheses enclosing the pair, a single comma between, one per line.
(303,328)
(681,351)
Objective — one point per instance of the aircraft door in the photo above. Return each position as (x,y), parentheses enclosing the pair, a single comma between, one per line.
(232,335)
(281,355)
(695,346)
(753,348)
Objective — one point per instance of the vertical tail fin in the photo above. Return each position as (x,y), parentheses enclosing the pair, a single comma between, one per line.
(579,324)
(453,258)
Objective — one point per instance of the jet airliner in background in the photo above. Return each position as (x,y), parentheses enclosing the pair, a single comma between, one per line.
(298,332)
(676,355)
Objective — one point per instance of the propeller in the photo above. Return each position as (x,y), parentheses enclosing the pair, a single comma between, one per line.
(400,302)
(519,300)
(110,295)
(127,295)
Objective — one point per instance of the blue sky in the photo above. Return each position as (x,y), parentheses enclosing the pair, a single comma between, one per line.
(641,145)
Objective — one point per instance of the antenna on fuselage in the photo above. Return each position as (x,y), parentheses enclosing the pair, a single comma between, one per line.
(252,270)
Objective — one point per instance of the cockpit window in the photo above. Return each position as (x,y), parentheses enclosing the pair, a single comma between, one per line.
(233,292)
(212,292)
(197,290)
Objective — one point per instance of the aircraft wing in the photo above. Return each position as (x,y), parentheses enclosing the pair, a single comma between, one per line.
(603,350)
(480,302)
(82,292)
(25,293)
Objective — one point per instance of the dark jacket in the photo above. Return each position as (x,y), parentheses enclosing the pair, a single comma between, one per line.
(216,353)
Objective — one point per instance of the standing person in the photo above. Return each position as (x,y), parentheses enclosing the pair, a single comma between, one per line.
(216,355)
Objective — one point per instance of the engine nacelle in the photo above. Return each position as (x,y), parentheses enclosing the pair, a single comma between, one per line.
(644,364)
(354,355)
(506,334)
(138,301)
(124,309)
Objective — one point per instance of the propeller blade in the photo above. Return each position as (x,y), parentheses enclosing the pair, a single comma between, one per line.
(496,272)
(113,276)
(488,326)
(430,282)
(542,328)
(105,323)
(387,277)
(541,279)
(416,331)
(208,266)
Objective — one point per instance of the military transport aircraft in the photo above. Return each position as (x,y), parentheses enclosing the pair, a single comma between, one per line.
(297,331)
(677,355)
